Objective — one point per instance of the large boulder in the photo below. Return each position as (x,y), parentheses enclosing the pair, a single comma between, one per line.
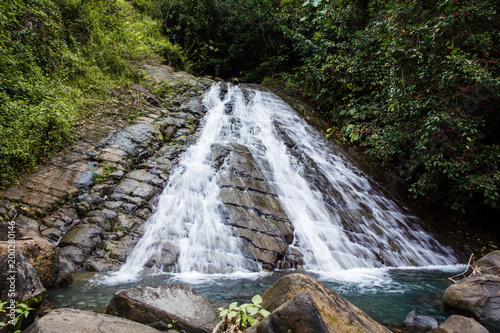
(490,263)
(458,324)
(18,277)
(292,301)
(77,321)
(477,296)
(19,283)
(300,314)
(174,303)
(41,254)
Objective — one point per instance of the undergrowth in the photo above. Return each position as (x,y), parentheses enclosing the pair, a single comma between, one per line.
(58,60)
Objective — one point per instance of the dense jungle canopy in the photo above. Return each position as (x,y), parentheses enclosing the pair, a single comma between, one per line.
(414,84)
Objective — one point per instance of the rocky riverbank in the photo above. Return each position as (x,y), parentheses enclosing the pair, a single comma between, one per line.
(92,199)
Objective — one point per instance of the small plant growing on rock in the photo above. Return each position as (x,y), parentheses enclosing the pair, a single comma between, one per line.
(21,311)
(240,317)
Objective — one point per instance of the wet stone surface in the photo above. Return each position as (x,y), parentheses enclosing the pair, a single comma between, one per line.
(251,206)
(92,199)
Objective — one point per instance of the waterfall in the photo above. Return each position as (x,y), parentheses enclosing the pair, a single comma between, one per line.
(340,220)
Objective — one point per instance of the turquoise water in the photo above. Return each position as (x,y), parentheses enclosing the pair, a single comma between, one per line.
(386,295)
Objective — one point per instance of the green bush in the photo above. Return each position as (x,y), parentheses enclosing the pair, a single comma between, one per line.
(57,59)
(414,83)
(225,38)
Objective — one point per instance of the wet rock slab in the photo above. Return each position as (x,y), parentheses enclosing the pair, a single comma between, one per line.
(477,296)
(175,303)
(251,205)
(299,303)
(77,321)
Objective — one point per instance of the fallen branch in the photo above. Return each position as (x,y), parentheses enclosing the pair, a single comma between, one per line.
(474,269)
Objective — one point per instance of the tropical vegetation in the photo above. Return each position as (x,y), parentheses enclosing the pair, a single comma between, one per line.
(414,84)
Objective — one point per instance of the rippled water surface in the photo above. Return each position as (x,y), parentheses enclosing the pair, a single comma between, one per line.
(386,295)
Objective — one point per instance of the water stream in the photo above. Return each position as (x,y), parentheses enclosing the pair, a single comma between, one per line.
(387,301)
(350,235)
(340,220)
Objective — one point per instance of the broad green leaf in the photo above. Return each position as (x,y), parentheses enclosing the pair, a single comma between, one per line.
(252,310)
(264,313)
(257,299)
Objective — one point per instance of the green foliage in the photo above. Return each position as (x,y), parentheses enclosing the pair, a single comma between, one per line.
(414,83)
(227,38)
(22,311)
(58,58)
(245,315)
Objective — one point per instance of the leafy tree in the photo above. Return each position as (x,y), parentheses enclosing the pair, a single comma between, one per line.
(414,83)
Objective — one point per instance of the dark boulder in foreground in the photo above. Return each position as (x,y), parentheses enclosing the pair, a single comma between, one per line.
(19,283)
(20,276)
(477,296)
(175,303)
(300,314)
(302,304)
(41,254)
(78,321)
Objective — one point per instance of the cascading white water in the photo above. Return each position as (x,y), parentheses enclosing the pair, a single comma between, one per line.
(380,230)
(188,213)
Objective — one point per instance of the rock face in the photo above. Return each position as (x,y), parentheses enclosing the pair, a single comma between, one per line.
(477,296)
(93,199)
(299,303)
(77,321)
(458,324)
(174,303)
(41,254)
(19,283)
(420,323)
(26,281)
(251,205)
